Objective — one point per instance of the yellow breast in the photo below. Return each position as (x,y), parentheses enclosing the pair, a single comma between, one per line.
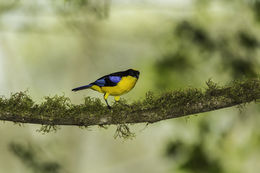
(125,85)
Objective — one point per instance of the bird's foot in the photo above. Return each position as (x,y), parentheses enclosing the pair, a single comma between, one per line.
(109,107)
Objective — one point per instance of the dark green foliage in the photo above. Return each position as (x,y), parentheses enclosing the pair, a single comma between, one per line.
(176,62)
(28,155)
(242,67)
(247,40)
(198,35)
(196,159)
(200,162)
(256,8)
(173,149)
(236,53)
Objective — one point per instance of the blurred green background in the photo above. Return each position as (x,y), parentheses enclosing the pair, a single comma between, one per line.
(50,46)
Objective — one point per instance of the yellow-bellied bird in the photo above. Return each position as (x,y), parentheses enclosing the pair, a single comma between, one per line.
(114,84)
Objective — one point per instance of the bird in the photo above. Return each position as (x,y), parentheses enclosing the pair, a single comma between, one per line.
(114,84)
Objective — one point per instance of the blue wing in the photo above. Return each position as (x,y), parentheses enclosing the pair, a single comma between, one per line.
(107,81)
(114,79)
(100,82)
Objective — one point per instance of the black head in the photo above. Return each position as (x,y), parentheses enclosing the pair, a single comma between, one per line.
(133,73)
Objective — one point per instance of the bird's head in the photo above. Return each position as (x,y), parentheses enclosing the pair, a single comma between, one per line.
(134,73)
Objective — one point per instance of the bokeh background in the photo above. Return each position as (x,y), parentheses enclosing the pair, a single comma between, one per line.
(50,46)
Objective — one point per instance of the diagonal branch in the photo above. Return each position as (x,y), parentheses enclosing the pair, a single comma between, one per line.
(58,110)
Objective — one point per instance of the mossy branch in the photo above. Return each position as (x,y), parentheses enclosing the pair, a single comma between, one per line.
(58,110)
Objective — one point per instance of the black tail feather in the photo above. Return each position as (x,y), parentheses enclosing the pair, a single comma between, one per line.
(82,87)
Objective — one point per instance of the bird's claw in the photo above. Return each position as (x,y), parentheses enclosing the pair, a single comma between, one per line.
(109,107)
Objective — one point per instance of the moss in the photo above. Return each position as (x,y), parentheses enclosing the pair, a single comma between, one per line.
(48,128)
(123,131)
(19,103)
(58,110)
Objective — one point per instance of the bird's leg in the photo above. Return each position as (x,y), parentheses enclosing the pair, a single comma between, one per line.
(105,97)
(108,106)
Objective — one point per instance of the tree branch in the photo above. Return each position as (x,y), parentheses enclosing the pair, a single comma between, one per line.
(58,110)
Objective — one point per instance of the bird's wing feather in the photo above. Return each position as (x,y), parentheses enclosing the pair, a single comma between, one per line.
(100,82)
(107,81)
(114,79)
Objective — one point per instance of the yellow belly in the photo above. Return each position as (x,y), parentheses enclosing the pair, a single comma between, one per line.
(125,85)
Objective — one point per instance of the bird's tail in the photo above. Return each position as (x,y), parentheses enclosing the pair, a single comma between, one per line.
(82,87)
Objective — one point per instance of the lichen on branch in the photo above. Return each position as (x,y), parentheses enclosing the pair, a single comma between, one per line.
(58,110)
